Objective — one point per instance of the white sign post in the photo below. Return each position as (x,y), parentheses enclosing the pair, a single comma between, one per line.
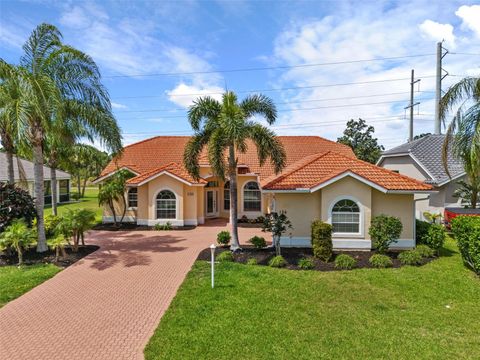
(212,250)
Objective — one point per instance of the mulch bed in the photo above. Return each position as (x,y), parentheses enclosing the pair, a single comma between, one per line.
(135,227)
(31,257)
(293,255)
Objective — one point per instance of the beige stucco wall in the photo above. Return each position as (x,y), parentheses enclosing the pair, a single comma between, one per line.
(398,205)
(302,209)
(349,187)
(164,182)
(190,198)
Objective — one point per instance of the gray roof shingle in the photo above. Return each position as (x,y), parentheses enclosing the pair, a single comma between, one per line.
(27,167)
(428,152)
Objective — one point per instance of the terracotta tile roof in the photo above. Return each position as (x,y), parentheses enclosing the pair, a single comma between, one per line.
(151,154)
(171,168)
(319,168)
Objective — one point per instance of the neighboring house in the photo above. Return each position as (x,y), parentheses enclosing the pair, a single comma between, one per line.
(323,180)
(422,159)
(23,172)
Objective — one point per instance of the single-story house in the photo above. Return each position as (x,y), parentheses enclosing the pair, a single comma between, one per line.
(421,159)
(322,180)
(23,175)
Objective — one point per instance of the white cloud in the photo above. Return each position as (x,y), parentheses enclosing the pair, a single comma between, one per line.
(470,16)
(184,94)
(75,18)
(371,32)
(438,32)
(118,105)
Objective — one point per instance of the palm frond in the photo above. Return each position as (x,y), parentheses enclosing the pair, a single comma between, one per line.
(467,88)
(259,104)
(216,153)
(192,152)
(268,146)
(203,109)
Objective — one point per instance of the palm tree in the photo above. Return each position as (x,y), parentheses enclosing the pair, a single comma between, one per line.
(58,83)
(17,236)
(463,133)
(224,128)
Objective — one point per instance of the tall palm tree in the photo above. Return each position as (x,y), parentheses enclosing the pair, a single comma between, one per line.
(463,133)
(224,127)
(59,82)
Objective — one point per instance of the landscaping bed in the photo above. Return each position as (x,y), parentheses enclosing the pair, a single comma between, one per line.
(293,255)
(136,227)
(31,257)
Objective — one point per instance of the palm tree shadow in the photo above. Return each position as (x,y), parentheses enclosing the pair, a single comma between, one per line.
(132,249)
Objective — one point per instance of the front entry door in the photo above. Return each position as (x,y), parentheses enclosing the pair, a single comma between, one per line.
(211,203)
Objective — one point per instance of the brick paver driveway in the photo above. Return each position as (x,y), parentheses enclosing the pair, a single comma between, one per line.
(107,305)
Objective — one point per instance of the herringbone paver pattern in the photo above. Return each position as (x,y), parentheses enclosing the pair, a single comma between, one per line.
(107,305)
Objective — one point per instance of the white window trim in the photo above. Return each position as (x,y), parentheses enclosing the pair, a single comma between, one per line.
(261,199)
(361,233)
(126,194)
(177,205)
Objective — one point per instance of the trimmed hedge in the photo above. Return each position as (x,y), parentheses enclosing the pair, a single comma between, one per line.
(384,231)
(380,261)
(410,257)
(322,240)
(421,231)
(258,242)
(224,237)
(425,251)
(345,262)
(466,230)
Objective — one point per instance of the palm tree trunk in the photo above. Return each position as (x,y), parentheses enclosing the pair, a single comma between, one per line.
(39,195)
(78,186)
(11,175)
(53,185)
(112,207)
(84,186)
(20,255)
(232,173)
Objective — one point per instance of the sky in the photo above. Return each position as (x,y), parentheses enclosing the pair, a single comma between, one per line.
(157,57)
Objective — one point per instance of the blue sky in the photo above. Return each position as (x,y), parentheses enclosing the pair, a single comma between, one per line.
(151,37)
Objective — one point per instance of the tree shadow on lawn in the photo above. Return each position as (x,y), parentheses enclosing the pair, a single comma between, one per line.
(132,249)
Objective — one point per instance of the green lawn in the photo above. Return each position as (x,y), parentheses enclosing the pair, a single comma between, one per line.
(15,281)
(255,312)
(90,201)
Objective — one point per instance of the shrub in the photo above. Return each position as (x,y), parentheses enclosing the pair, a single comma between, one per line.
(74,224)
(435,237)
(385,230)
(277,261)
(51,222)
(224,237)
(380,261)
(322,240)
(276,223)
(166,226)
(425,251)
(15,203)
(421,230)
(345,262)
(467,233)
(225,256)
(260,219)
(252,261)
(58,244)
(306,264)
(410,257)
(17,236)
(258,242)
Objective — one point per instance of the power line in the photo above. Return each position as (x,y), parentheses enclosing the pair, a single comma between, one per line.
(281,103)
(266,67)
(289,110)
(275,89)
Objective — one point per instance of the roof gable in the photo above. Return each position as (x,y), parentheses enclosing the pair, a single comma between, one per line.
(427,153)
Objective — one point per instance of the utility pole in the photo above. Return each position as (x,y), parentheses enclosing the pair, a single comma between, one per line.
(412,104)
(438,86)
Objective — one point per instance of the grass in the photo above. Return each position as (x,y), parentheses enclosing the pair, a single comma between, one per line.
(90,201)
(256,312)
(15,281)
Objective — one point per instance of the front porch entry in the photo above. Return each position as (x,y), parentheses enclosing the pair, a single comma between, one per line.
(211,203)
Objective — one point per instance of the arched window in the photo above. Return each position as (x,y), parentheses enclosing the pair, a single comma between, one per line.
(166,205)
(252,197)
(226,196)
(132,198)
(346,217)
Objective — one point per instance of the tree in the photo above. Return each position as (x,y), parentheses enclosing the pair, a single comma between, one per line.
(74,223)
(470,193)
(15,203)
(224,128)
(17,236)
(463,133)
(359,136)
(57,83)
(277,224)
(113,191)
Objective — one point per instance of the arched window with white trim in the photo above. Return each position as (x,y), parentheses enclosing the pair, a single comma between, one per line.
(252,197)
(346,217)
(166,205)
(226,196)
(133,198)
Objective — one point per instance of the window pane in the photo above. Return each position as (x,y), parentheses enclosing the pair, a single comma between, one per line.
(132,197)
(346,217)
(252,197)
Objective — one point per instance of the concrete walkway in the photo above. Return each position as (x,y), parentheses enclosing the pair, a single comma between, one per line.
(107,305)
